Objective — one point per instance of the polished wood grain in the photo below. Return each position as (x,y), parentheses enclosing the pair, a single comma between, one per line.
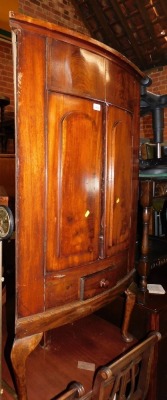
(30,175)
(76,179)
(57,316)
(118,180)
(146,198)
(74,182)
(125,94)
(79,71)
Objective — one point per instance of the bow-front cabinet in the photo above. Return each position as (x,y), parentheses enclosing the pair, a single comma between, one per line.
(77,136)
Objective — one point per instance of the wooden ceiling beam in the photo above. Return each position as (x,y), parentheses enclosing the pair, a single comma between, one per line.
(120,28)
(164,7)
(122,19)
(103,22)
(147,23)
(103,27)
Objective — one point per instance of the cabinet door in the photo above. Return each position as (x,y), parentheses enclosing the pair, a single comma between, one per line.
(74,162)
(118,179)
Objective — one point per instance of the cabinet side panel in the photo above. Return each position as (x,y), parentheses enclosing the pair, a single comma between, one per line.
(74,179)
(30,172)
(135,174)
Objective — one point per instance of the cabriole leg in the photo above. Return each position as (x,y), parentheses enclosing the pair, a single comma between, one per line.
(21,349)
(131,295)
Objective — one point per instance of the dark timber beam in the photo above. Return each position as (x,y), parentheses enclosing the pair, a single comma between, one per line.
(123,21)
(109,37)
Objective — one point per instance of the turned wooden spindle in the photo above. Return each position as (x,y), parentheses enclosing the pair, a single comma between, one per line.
(146,196)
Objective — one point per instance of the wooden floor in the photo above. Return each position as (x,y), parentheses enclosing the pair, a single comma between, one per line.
(72,354)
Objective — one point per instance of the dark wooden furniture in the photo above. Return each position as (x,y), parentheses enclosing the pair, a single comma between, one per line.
(3,196)
(76,179)
(155,313)
(71,357)
(7,180)
(4,101)
(152,189)
(73,354)
(7,175)
(3,202)
(127,377)
(152,315)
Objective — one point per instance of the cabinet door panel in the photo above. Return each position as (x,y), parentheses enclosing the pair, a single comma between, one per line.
(74,180)
(118,179)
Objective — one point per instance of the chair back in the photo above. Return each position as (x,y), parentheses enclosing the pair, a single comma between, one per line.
(126,378)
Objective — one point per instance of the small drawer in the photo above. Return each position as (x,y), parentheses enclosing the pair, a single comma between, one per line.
(98,282)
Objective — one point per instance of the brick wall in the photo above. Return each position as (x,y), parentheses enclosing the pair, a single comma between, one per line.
(61,12)
(6,74)
(159,86)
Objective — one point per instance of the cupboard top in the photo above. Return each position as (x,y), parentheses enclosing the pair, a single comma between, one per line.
(18,21)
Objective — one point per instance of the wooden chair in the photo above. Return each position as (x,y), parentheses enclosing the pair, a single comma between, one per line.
(127,377)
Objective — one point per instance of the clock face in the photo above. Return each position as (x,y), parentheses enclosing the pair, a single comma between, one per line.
(6,222)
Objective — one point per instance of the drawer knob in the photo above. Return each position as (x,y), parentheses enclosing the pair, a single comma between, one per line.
(104,283)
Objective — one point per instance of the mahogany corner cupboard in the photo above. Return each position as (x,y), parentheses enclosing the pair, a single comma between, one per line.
(77,136)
